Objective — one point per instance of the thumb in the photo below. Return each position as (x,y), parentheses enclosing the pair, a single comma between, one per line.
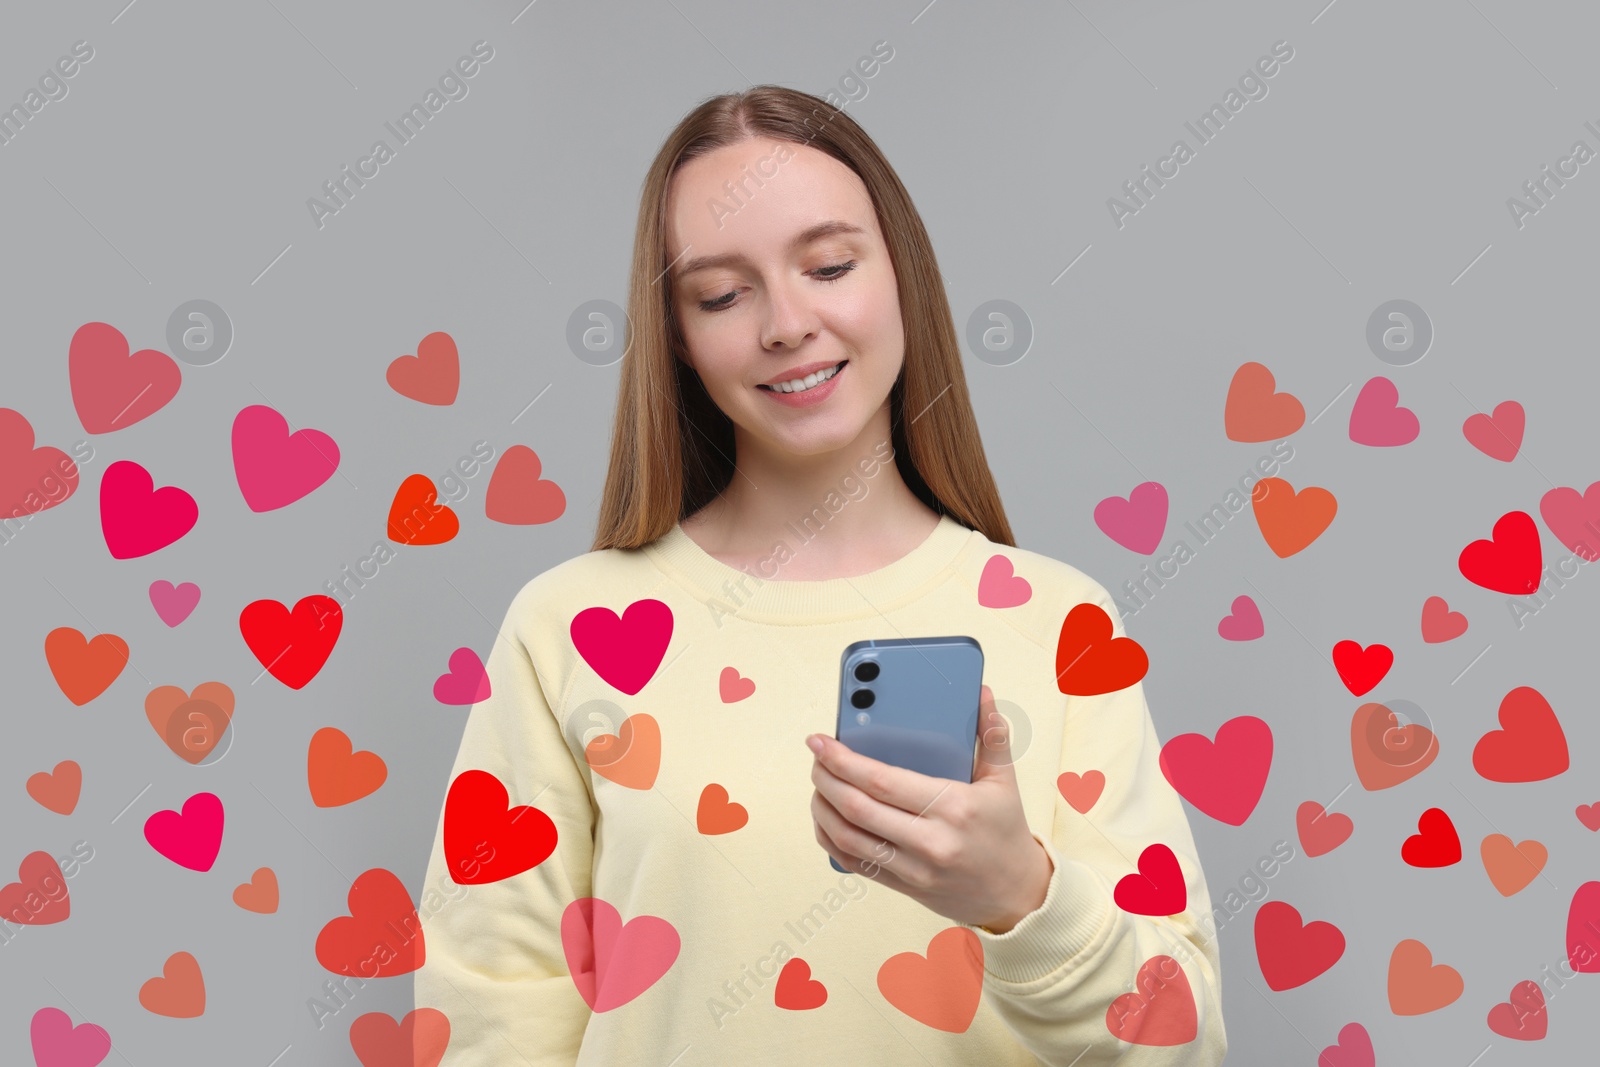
(994,741)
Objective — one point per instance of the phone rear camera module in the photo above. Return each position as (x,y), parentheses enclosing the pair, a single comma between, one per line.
(862,698)
(866,670)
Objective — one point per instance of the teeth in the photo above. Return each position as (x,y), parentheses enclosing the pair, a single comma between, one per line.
(810,381)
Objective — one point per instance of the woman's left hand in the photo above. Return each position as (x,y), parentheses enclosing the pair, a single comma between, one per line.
(962,850)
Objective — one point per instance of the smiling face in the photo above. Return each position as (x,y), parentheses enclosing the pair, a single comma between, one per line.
(792,274)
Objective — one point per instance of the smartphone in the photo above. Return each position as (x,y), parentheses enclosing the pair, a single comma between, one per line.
(912,702)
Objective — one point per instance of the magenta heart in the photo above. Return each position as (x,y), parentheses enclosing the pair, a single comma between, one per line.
(467,681)
(1574,519)
(1497,436)
(1137,522)
(137,519)
(1378,420)
(57,1043)
(611,963)
(1223,778)
(1244,624)
(1583,928)
(173,603)
(191,839)
(273,466)
(999,587)
(624,651)
(1353,1050)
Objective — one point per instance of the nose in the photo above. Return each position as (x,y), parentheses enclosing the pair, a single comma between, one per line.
(789,319)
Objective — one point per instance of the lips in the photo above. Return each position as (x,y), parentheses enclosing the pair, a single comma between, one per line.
(773,388)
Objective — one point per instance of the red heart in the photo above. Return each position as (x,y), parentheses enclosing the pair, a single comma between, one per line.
(1224,778)
(292,646)
(625,651)
(29,901)
(418,1040)
(1439,623)
(1158,888)
(1161,1009)
(1436,843)
(382,935)
(433,375)
(485,839)
(1089,661)
(1523,1018)
(517,495)
(1292,954)
(416,515)
(1509,563)
(1321,832)
(112,390)
(1532,745)
(1589,815)
(796,989)
(1361,668)
(31,479)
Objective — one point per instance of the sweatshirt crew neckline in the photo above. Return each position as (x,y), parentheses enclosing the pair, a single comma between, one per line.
(748,595)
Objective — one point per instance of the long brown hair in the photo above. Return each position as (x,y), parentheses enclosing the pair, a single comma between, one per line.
(672,448)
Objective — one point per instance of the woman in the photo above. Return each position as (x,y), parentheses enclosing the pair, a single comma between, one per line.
(795,466)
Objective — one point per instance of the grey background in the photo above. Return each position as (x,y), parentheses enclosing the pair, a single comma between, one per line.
(1377,167)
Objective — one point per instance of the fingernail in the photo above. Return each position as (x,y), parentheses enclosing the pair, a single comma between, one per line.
(814,743)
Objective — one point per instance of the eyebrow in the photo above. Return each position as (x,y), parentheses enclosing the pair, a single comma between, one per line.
(830,228)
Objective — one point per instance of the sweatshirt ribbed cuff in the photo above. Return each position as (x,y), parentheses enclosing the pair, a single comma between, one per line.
(1076,906)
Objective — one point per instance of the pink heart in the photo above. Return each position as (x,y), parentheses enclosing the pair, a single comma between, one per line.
(137,519)
(1497,436)
(173,603)
(1439,623)
(611,963)
(1223,778)
(111,389)
(1377,419)
(191,839)
(1583,928)
(1574,519)
(1319,831)
(1522,1017)
(999,587)
(274,467)
(1244,624)
(625,651)
(1353,1050)
(1137,521)
(467,681)
(57,1043)
(733,687)
(1589,815)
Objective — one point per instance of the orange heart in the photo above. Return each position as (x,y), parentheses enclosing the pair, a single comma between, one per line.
(796,989)
(417,517)
(58,789)
(516,493)
(717,815)
(941,989)
(180,993)
(191,724)
(260,893)
(629,757)
(1290,521)
(336,773)
(1081,791)
(1386,753)
(84,668)
(1417,984)
(433,375)
(1254,412)
(1512,867)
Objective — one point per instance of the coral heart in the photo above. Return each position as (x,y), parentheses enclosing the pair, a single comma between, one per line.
(260,893)
(1439,623)
(1531,746)
(1291,954)
(136,518)
(336,774)
(58,789)
(111,389)
(1417,985)
(1253,412)
(1224,778)
(1499,435)
(733,687)
(173,603)
(31,479)
(466,682)
(942,989)
(84,668)
(485,838)
(1136,521)
(1361,668)
(717,814)
(1158,888)
(1082,791)
(292,646)
(1522,1018)
(57,1043)
(190,839)
(796,989)
(418,1040)
(417,517)
(179,992)
(1511,867)
(1435,844)
(1574,519)
(631,756)
(999,586)
(381,937)
(1377,418)
(517,495)
(1510,562)
(1353,1050)
(1290,521)
(1386,753)
(190,724)
(1162,1012)
(1321,832)
(32,899)
(274,467)
(1244,623)
(1589,815)
(612,963)
(432,376)
(1089,660)
(625,651)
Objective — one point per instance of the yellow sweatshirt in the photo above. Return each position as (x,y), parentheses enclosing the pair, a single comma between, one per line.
(626,872)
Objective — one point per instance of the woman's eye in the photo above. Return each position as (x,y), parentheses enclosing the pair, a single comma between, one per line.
(723,301)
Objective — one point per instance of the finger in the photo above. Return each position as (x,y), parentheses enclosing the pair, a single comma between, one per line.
(898,787)
(860,809)
(872,866)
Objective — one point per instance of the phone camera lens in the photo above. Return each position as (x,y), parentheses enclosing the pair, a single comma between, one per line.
(862,698)
(866,670)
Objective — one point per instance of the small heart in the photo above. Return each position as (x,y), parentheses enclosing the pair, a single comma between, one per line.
(1137,521)
(432,376)
(517,495)
(797,990)
(1081,791)
(1158,888)
(1439,623)
(58,789)
(173,603)
(83,667)
(466,682)
(39,896)
(1497,436)
(1253,412)
(630,757)
(1244,624)
(1436,843)
(260,893)
(57,1043)
(179,992)
(1288,520)
(190,724)
(190,839)
(1321,832)
(733,687)
(1417,985)
(1574,518)
(1353,1050)
(1361,668)
(1377,418)
(1512,867)
(336,773)
(1386,753)
(1000,587)
(418,1040)
(417,517)
(717,814)
(1589,815)
(31,479)
(1522,1018)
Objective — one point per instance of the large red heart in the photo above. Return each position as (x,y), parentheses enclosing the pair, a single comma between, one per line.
(485,839)
(1158,888)
(1291,954)
(1508,563)
(1089,661)
(1532,745)
(382,935)
(1436,843)
(292,646)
